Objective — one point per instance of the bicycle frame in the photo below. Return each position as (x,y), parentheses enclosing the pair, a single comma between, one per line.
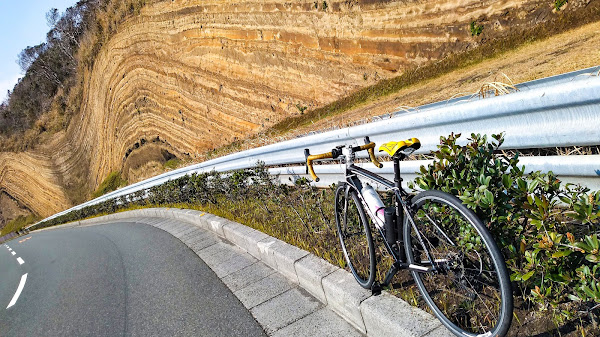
(402,207)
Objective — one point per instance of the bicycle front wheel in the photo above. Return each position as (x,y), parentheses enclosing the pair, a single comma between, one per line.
(466,284)
(355,235)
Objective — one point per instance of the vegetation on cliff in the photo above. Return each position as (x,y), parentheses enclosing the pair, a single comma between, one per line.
(18,223)
(111,183)
(51,91)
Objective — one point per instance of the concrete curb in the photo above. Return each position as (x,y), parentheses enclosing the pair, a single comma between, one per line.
(383,315)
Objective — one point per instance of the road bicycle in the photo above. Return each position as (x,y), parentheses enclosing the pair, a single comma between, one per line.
(455,263)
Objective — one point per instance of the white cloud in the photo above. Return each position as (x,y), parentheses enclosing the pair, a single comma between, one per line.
(8,84)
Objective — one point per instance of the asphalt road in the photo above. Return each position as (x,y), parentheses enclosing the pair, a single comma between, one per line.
(114,280)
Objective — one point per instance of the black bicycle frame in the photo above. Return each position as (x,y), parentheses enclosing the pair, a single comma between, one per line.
(401,207)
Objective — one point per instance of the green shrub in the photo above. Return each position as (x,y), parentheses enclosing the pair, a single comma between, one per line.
(559,3)
(301,108)
(111,183)
(475,29)
(171,163)
(546,232)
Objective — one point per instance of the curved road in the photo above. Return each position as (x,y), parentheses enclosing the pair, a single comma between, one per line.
(124,279)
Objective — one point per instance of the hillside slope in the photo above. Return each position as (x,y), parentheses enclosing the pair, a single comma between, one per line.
(184,77)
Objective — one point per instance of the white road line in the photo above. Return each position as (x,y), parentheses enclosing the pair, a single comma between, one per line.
(18,293)
(9,249)
(20,260)
(13,253)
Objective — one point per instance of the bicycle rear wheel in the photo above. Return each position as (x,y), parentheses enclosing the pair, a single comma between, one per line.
(355,235)
(469,288)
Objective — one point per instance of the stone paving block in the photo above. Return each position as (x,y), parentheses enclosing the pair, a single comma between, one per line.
(181,215)
(134,213)
(192,232)
(218,248)
(204,220)
(219,253)
(164,213)
(185,230)
(138,212)
(322,323)
(267,254)
(245,237)
(284,309)
(164,224)
(176,227)
(262,290)
(160,223)
(311,270)
(216,225)
(198,246)
(197,216)
(198,235)
(174,212)
(344,296)
(149,212)
(286,256)
(235,263)
(85,224)
(246,276)
(236,232)
(151,221)
(167,223)
(158,219)
(206,233)
(124,215)
(178,213)
(387,315)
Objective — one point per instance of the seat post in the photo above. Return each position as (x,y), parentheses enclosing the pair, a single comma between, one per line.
(397,158)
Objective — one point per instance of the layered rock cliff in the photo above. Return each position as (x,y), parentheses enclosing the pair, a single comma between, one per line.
(187,76)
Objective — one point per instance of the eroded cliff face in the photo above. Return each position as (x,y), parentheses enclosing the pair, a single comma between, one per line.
(187,76)
(29,183)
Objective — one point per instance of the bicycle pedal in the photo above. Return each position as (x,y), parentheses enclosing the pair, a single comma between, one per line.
(376,289)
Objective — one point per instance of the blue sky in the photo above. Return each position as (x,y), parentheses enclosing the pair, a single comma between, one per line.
(22,23)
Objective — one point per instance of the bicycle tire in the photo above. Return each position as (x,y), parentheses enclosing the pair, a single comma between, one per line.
(471,292)
(355,235)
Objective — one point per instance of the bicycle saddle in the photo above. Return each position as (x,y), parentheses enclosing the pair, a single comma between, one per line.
(404,146)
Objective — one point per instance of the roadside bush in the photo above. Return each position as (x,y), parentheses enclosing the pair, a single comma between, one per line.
(547,232)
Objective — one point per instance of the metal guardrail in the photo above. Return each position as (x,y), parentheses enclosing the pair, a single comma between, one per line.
(584,170)
(558,111)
